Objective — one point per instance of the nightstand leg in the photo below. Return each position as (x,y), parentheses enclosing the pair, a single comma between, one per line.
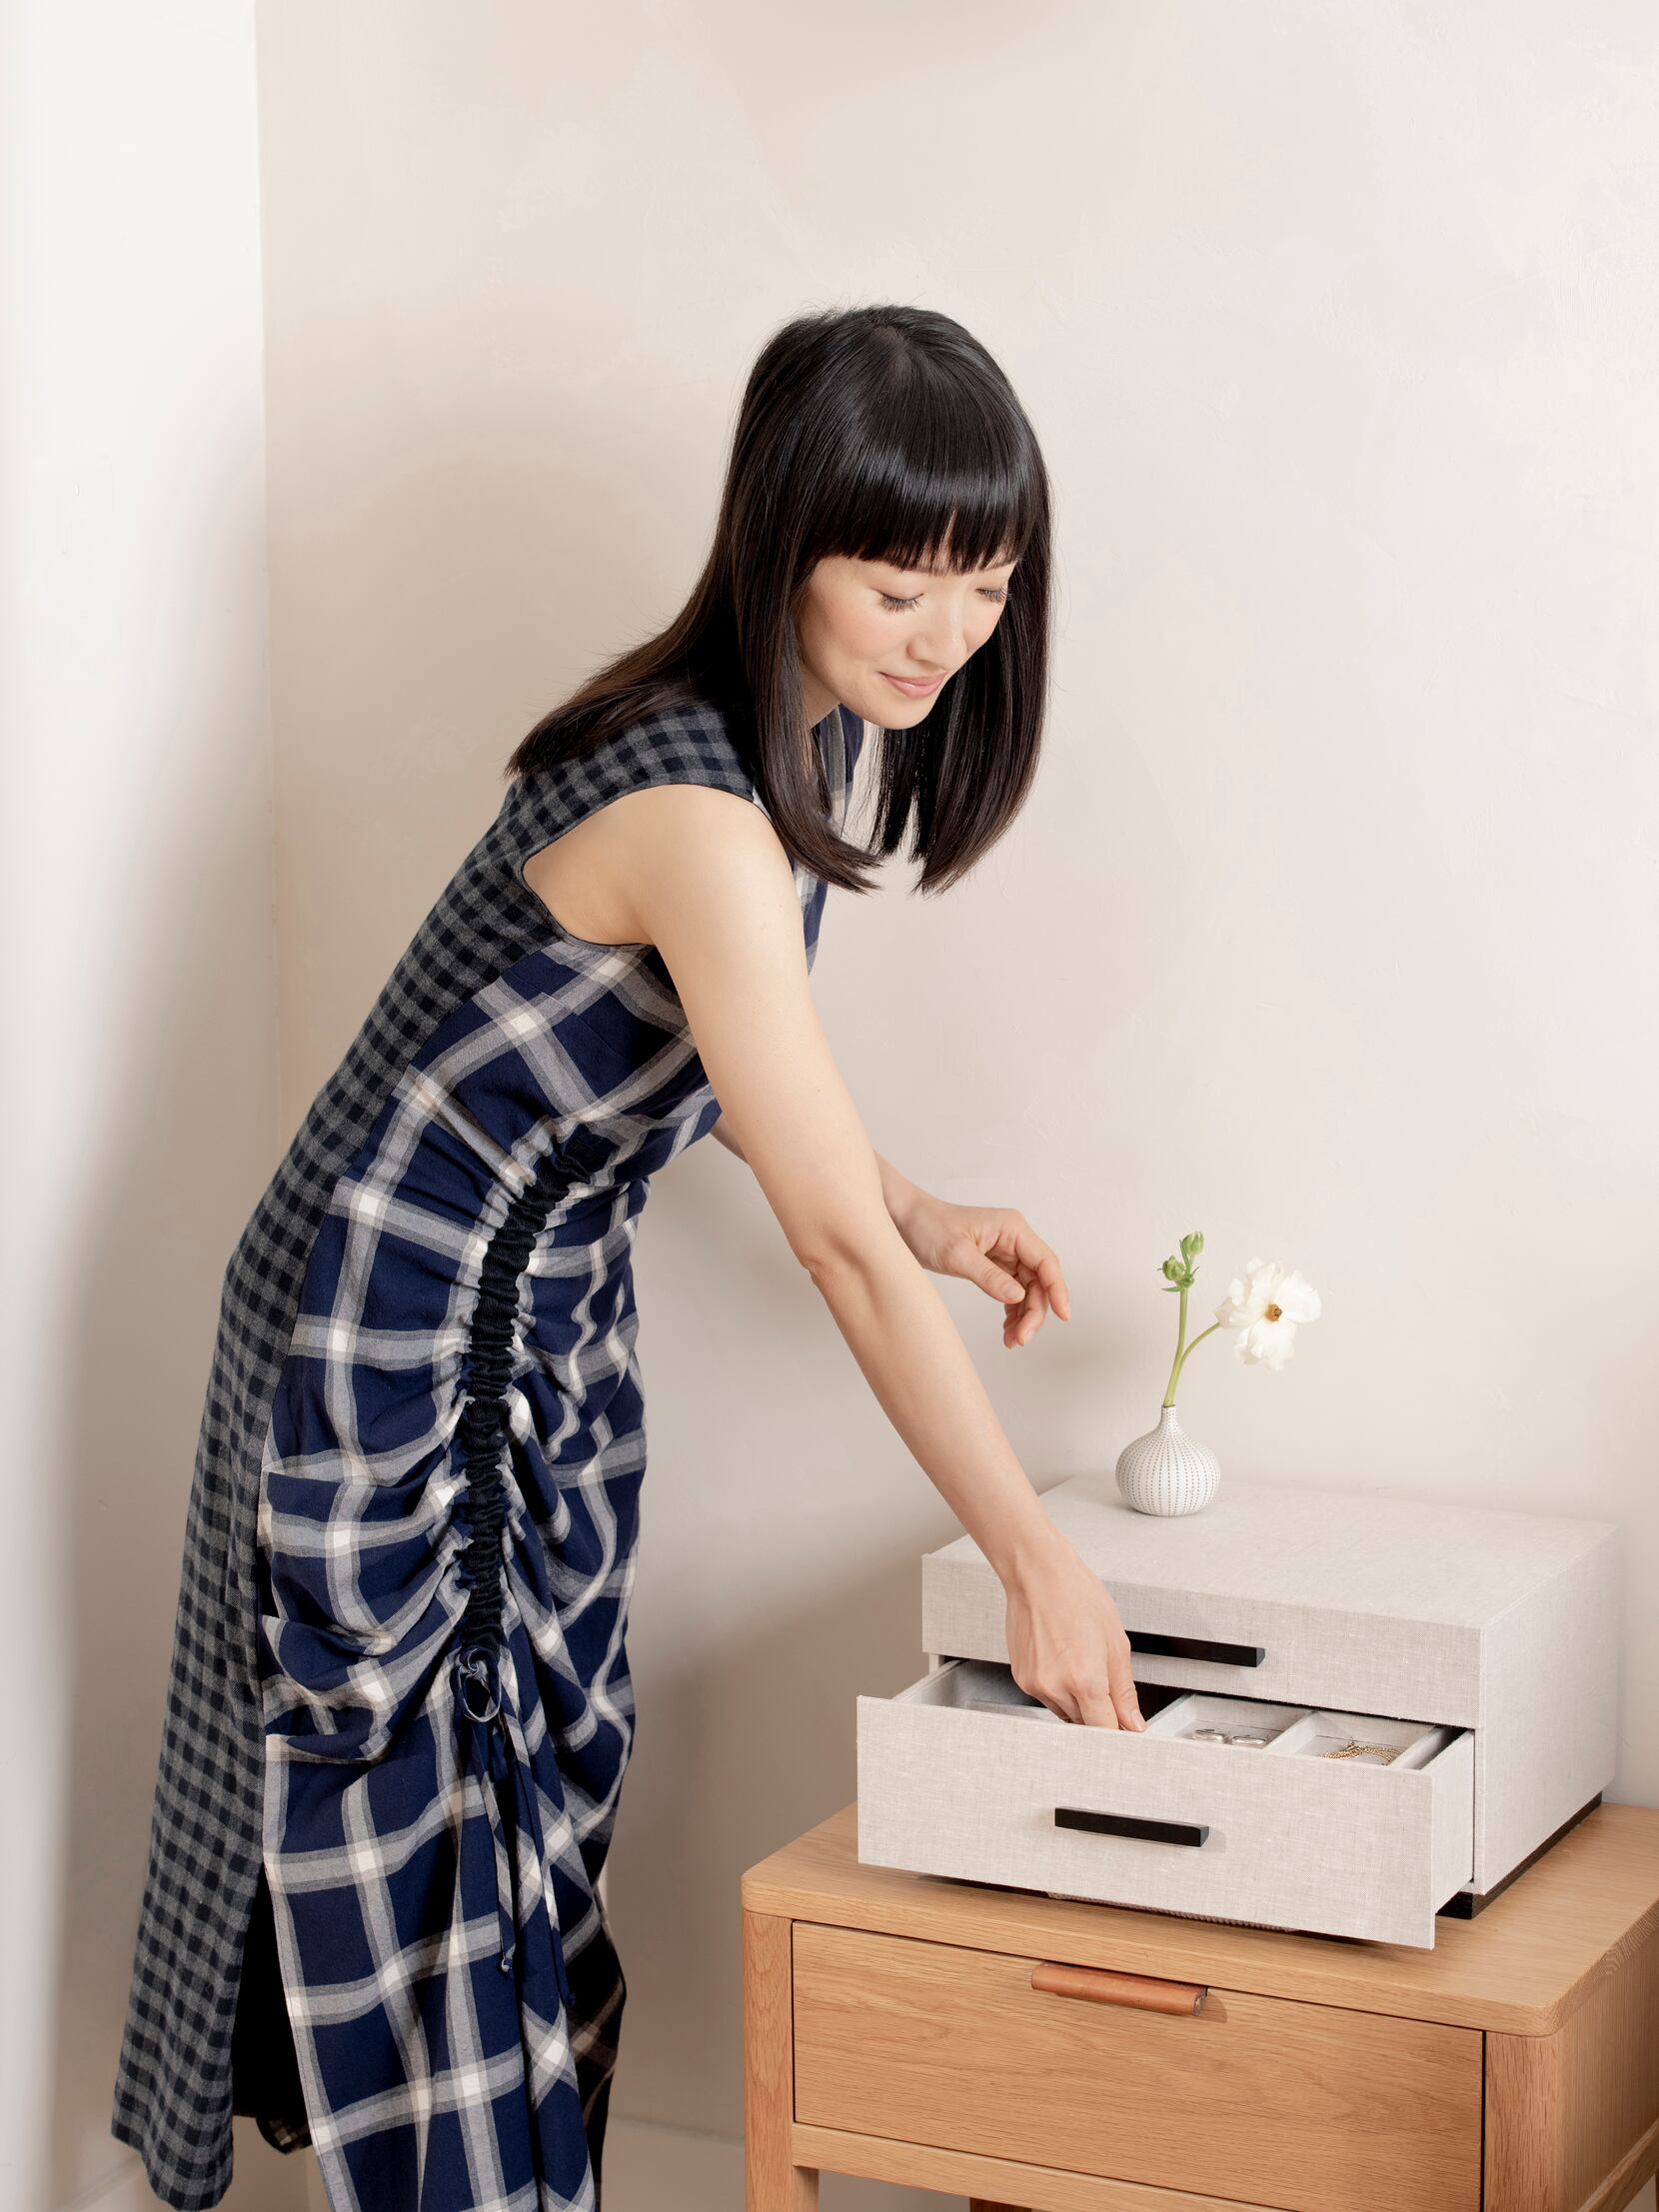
(1573,2117)
(772,2181)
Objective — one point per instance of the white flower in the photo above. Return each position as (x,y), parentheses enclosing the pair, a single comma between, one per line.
(1266,1311)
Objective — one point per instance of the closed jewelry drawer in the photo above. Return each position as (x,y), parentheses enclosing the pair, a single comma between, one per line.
(1425,1610)
(1303,2107)
(963,1775)
(1247,1644)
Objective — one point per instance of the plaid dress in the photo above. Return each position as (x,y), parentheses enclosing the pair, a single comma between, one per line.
(400,1710)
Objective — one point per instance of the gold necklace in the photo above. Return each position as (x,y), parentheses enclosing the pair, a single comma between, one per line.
(1352,1749)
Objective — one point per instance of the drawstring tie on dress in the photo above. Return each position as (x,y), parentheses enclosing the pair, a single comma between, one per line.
(501,1756)
(478,1688)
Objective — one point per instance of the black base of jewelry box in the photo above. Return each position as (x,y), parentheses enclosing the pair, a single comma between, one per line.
(1468,1902)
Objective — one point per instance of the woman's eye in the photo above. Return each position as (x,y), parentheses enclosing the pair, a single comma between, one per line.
(997,595)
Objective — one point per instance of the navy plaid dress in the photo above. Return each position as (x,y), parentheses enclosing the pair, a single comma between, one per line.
(445,1516)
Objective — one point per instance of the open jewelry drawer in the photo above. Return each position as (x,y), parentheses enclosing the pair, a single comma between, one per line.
(962,1775)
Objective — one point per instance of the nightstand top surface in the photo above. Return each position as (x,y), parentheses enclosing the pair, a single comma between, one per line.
(1357,1551)
(1519,1967)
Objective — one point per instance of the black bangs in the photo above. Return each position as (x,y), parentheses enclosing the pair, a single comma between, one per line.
(926,465)
(879,434)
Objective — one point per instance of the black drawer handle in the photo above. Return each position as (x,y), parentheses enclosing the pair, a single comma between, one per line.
(1196,1647)
(1123,1823)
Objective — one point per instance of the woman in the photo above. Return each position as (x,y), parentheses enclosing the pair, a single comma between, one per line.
(400,1710)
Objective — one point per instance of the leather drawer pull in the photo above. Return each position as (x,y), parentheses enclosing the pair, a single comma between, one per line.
(1103,1987)
(1196,1647)
(1123,1823)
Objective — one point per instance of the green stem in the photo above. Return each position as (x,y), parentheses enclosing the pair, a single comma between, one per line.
(1183,1349)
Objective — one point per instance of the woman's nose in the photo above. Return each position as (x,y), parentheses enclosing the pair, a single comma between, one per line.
(941,643)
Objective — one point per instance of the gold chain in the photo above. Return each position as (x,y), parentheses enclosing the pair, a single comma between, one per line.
(1352,1750)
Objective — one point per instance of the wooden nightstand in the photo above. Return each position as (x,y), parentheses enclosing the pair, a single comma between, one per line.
(1054,2056)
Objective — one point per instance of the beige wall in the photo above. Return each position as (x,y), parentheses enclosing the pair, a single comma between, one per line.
(1324,928)
(141,1086)
(1328,929)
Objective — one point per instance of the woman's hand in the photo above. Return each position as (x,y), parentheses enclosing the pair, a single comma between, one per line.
(1066,1645)
(995,1246)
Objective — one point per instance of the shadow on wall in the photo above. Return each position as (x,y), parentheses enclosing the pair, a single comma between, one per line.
(165,1205)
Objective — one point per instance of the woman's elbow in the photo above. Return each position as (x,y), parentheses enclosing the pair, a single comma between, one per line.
(850,1244)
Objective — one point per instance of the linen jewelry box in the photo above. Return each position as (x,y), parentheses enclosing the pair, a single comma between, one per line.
(1361,1711)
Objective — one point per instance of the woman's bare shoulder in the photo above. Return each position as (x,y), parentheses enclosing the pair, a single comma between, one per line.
(593,879)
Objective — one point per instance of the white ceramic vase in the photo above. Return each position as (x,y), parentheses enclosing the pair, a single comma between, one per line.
(1165,1472)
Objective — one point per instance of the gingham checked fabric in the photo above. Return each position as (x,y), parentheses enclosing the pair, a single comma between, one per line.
(399,1684)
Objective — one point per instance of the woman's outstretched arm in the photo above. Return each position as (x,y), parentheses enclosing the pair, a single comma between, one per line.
(711,887)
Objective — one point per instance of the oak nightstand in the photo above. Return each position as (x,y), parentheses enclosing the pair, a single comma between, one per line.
(1053,2055)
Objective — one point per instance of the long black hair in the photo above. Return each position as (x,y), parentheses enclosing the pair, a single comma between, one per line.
(879,433)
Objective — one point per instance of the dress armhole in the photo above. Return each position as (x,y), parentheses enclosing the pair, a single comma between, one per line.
(681,745)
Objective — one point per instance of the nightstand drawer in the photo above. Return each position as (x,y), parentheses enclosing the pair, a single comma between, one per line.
(1303,2107)
(960,1776)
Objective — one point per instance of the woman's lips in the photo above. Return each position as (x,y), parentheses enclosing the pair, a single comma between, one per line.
(913,690)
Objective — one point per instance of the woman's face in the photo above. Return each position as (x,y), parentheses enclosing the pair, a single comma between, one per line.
(866,629)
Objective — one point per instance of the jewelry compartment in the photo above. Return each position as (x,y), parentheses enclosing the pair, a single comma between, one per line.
(1365,1739)
(1242,1723)
(1291,1731)
(1160,1820)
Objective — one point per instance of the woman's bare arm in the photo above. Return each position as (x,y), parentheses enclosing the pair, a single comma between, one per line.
(709,886)
(897,1188)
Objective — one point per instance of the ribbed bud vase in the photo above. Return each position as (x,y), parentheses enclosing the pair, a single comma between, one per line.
(1165,1472)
